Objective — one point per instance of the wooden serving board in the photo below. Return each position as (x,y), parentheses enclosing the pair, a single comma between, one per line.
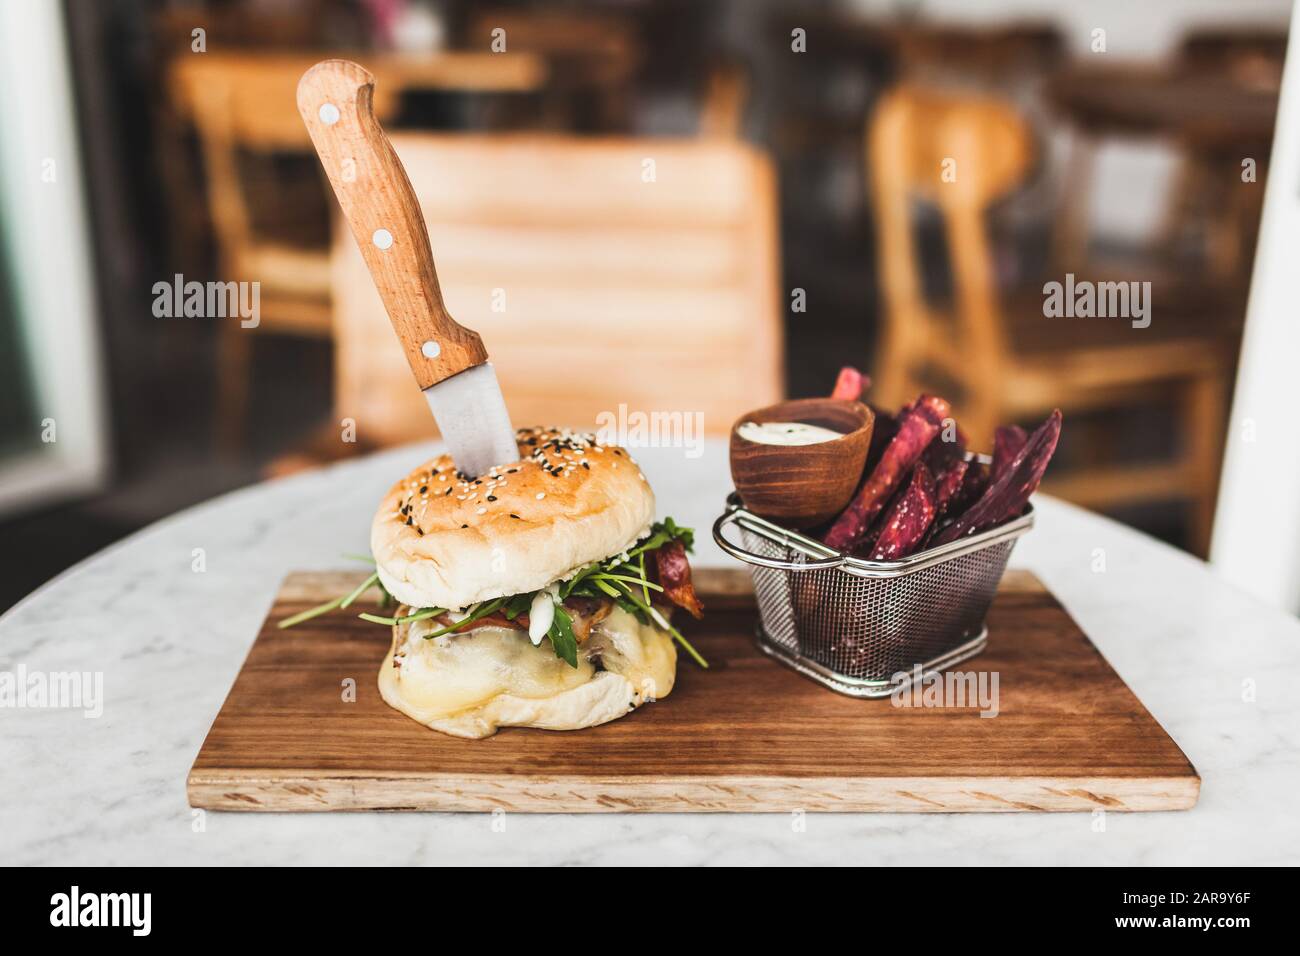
(747,735)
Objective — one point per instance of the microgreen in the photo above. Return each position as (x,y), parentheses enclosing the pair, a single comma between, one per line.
(622,578)
(477,612)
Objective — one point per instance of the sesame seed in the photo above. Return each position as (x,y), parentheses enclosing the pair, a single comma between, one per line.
(481,511)
(491,497)
(541,495)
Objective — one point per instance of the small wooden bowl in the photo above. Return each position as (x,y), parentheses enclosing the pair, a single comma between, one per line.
(802,486)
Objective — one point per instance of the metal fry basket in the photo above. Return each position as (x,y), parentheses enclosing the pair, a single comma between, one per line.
(854,624)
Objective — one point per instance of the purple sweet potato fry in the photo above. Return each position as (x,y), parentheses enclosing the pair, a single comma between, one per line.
(949,488)
(882,433)
(850,384)
(947,484)
(948,448)
(908,519)
(1007,496)
(973,485)
(1007,442)
(917,427)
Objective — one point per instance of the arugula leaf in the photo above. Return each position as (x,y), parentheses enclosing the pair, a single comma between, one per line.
(623,579)
(562,638)
(685,535)
(518,605)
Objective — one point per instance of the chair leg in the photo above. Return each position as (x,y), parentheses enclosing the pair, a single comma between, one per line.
(1204,422)
(234,356)
(979,416)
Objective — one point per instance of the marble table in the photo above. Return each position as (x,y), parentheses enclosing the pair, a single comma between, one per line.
(168,614)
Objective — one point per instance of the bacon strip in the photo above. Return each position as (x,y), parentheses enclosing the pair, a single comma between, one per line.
(674,573)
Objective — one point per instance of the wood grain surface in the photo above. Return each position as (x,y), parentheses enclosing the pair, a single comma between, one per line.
(802,486)
(747,735)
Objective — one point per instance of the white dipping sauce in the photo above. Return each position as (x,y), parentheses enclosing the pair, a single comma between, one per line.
(786,433)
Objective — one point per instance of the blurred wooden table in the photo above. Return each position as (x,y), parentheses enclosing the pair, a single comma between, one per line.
(1199,108)
(1214,119)
(243,104)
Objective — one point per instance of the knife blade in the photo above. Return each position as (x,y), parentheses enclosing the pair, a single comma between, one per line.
(449,361)
(473,419)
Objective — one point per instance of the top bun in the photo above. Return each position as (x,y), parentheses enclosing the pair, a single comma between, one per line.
(440,540)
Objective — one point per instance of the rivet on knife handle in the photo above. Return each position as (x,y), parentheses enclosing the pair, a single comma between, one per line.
(334,98)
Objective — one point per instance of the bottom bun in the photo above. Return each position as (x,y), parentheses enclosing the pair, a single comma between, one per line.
(471,685)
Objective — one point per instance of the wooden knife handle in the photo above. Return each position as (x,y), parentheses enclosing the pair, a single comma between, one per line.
(334,98)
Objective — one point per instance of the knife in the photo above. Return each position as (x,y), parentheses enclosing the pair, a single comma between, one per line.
(449,361)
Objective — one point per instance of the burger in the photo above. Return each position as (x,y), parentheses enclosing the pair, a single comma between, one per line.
(536,595)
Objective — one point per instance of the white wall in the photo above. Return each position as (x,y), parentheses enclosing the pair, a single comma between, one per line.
(1134,28)
(1257,528)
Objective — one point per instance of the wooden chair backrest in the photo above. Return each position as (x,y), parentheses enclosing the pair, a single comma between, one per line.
(251,99)
(244,103)
(961,153)
(600,273)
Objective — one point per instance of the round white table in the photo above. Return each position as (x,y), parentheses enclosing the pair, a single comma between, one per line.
(1218,669)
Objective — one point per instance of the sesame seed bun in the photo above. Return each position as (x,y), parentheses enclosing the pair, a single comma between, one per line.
(441,541)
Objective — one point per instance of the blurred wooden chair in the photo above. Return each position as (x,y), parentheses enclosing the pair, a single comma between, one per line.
(242,108)
(722,107)
(1007,361)
(243,105)
(592,287)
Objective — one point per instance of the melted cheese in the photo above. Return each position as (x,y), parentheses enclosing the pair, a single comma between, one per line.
(642,653)
(497,671)
(452,673)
